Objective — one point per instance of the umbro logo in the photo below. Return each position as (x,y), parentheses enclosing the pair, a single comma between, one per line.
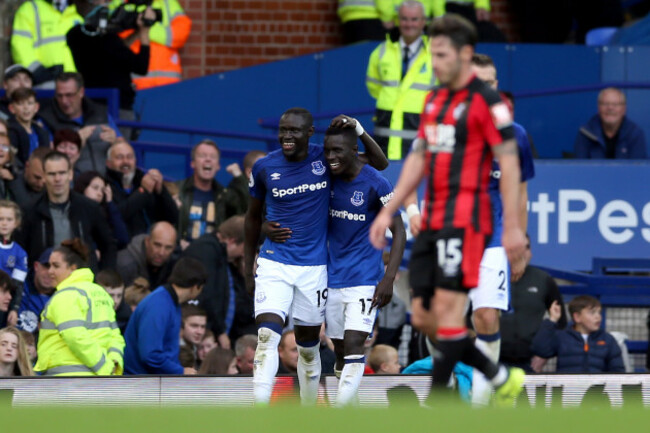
(275,176)
(532,289)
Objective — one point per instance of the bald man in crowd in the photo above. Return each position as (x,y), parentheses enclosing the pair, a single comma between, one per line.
(149,255)
(141,197)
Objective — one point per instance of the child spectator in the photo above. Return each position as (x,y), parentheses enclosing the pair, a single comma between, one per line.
(219,361)
(30,345)
(13,258)
(24,133)
(94,186)
(136,292)
(14,360)
(68,141)
(383,359)
(111,281)
(207,344)
(582,348)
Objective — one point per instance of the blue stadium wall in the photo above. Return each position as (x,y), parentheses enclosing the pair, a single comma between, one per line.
(578,210)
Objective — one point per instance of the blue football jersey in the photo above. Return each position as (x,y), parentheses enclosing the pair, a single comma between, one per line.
(527,168)
(13,260)
(353,261)
(297,196)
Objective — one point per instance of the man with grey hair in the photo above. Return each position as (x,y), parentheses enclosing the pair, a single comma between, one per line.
(245,347)
(610,134)
(141,197)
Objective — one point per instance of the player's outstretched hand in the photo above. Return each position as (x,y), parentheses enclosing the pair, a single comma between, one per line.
(275,233)
(514,243)
(378,229)
(383,294)
(343,121)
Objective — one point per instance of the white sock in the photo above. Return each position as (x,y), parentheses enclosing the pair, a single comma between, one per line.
(350,380)
(481,386)
(309,373)
(337,373)
(266,363)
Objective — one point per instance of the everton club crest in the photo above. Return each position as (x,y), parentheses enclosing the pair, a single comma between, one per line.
(357,198)
(318,168)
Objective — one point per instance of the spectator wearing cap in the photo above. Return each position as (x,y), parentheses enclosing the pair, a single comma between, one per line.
(15,77)
(68,141)
(25,134)
(37,291)
(71,109)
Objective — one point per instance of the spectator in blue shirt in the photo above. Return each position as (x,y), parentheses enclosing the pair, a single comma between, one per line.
(152,335)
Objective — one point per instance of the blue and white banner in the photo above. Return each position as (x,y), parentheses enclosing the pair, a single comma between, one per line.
(578,210)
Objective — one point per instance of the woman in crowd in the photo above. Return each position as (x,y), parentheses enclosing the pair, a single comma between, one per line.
(78,334)
(14,360)
(92,185)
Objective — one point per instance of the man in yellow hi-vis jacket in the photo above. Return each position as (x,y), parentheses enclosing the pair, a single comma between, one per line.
(78,335)
(399,77)
(38,39)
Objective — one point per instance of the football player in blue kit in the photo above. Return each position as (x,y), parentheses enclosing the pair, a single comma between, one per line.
(292,185)
(357,283)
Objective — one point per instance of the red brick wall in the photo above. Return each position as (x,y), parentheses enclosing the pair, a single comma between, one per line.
(230,34)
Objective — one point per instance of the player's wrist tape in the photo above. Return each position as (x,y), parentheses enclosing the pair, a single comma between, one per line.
(359,129)
(412,210)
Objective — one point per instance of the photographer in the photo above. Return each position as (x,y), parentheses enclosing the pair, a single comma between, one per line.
(102,57)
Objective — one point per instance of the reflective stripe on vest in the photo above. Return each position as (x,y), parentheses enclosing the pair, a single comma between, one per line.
(118,351)
(387,132)
(79,368)
(156,74)
(24,33)
(346,3)
(168,27)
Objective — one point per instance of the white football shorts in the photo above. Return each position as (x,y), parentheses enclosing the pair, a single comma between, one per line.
(349,309)
(301,290)
(493,289)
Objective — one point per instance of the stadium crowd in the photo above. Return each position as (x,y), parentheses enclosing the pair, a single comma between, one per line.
(110,269)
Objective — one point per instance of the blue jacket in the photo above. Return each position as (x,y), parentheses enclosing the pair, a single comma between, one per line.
(590,142)
(152,335)
(601,354)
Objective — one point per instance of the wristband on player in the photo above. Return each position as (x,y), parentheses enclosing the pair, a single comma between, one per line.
(358,129)
(412,210)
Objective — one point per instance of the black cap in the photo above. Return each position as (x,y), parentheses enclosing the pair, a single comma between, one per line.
(12,70)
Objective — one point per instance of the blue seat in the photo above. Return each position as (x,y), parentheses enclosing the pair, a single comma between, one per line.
(600,36)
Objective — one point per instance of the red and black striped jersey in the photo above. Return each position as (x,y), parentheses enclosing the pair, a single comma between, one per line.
(459,128)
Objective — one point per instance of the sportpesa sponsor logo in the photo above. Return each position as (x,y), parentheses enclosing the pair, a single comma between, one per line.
(300,189)
(345,215)
(386,198)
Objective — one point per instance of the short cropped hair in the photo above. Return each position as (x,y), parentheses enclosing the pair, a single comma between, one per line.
(22,94)
(244,342)
(190,310)
(302,112)
(348,133)
(482,60)
(67,76)
(459,30)
(380,354)
(581,302)
(109,278)
(55,155)
(233,228)
(207,142)
(188,272)
(251,157)
(39,153)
